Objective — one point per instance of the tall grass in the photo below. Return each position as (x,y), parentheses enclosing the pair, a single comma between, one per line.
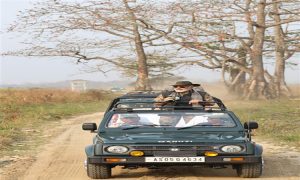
(278,119)
(30,108)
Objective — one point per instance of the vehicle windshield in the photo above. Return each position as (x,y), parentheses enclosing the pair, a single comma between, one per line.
(174,119)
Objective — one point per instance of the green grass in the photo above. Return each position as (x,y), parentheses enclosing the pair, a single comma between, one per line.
(24,113)
(277,119)
(34,116)
(24,109)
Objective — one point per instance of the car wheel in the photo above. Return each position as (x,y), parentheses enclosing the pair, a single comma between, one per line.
(249,170)
(96,171)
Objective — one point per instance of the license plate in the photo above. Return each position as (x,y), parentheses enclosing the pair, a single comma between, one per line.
(175,159)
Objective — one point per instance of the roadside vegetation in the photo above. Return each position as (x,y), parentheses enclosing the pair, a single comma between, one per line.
(279,120)
(24,111)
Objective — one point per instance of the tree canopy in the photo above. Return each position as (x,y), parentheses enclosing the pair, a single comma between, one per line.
(151,38)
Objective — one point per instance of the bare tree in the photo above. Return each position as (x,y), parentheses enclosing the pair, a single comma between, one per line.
(210,30)
(285,42)
(142,81)
(105,31)
(205,33)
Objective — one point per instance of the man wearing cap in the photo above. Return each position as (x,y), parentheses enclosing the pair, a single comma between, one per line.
(182,95)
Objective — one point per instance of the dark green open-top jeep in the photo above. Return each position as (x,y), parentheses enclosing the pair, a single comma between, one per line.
(134,133)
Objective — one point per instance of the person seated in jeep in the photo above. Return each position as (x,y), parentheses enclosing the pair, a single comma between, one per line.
(184,93)
(215,121)
(119,120)
(191,120)
(168,120)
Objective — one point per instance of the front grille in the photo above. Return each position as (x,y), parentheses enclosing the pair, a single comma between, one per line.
(142,147)
(175,154)
(167,150)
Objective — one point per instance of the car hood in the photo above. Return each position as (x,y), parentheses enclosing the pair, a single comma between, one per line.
(173,137)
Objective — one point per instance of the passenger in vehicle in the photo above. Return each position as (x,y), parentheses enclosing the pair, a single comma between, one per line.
(168,120)
(191,120)
(215,121)
(130,120)
(183,94)
(119,120)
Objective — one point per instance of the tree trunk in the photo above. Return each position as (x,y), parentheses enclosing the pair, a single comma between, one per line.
(258,86)
(279,83)
(142,82)
(237,76)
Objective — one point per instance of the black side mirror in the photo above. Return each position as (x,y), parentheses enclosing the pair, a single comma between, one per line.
(250,125)
(89,127)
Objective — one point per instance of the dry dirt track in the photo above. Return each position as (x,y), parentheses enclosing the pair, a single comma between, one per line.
(63,159)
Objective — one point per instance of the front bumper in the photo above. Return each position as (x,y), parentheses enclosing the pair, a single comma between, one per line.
(140,161)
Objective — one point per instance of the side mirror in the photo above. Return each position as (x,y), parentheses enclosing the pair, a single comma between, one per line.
(250,125)
(89,127)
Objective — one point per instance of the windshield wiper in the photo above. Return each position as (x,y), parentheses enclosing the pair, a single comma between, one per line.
(199,125)
(144,125)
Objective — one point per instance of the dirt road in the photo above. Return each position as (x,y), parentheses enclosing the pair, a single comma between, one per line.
(63,158)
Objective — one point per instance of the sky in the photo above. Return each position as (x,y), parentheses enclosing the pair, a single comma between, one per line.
(20,70)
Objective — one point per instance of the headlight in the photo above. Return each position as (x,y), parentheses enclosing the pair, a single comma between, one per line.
(117,149)
(231,149)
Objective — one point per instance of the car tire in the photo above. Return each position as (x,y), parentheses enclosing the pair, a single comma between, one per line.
(96,171)
(249,170)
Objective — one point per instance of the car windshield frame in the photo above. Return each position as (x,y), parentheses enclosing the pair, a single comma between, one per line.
(196,120)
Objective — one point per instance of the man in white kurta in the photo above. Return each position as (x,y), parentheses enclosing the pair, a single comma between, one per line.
(186,121)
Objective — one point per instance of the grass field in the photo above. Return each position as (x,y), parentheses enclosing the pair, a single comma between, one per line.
(32,108)
(277,119)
